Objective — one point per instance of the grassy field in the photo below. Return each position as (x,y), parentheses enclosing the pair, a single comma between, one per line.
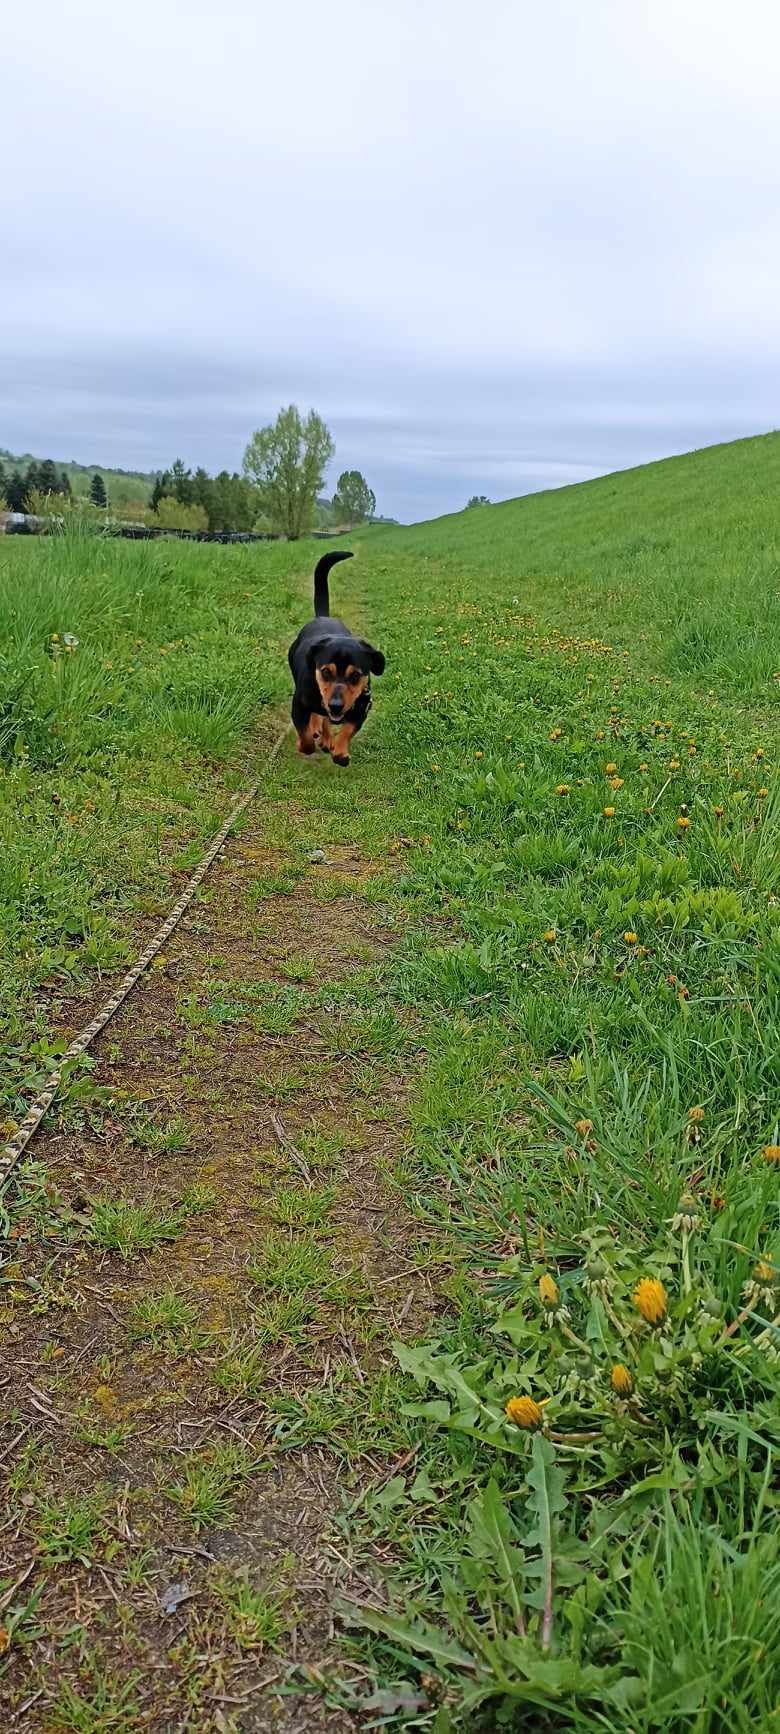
(562,1490)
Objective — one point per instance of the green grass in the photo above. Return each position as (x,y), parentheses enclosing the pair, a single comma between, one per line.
(117,756)
(120,1226)
(105,1708)
(211,1485)
(165,1319)
(70,1529)
(569,676)
(256,1618)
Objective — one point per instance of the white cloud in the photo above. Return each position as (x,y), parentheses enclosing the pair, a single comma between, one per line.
(484,239)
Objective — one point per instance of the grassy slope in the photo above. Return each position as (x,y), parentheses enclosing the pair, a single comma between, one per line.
(630,622)
(121,484)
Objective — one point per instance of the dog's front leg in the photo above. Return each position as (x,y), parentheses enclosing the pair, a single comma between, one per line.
(341,746)
(306,740)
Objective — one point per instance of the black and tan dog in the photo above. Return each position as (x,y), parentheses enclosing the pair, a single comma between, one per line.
(332,672)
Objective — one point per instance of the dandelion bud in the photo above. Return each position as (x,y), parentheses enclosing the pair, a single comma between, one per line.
(686,1217)
(621,1380)
(549,1292)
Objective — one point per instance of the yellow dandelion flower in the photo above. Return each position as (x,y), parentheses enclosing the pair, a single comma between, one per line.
(674,764)
(719,812)
(650,1299)
(764,1272)
(643,767)
(550,935)
(630,937)
(563,789)
(762,793)
(616,782)
(583,1127)
(696,1115)
(771,1152)
(760,753)
(683,823)
(555,734)
(610,769)
(549,1292)
(609,812)
(524,1412)
(621,1380)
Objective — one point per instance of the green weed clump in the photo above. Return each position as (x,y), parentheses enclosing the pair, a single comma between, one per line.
(621,1415)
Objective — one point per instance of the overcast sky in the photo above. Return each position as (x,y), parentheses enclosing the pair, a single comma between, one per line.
(498,247)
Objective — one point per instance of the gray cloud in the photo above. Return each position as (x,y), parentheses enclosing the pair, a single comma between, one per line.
(498,252)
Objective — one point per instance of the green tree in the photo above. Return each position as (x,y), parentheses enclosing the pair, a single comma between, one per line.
(48,479)
(354,501)
(161,487)
(477,500)
(202,491)
(181,484)
(287,463)
(65,487)
(15,491)
(174,514)
(97,491)
(32,480)
(2,480)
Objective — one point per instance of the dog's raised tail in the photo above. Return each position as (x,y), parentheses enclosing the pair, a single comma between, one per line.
(321,570)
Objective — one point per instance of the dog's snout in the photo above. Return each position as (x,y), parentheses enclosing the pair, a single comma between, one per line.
(336,703)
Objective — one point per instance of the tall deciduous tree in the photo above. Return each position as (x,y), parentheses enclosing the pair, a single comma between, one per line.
(354,501)
(97,491)
(287,463)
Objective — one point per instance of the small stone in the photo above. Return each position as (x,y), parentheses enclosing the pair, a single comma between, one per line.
(316,857)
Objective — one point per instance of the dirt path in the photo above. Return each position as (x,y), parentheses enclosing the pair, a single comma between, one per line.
(210,1268)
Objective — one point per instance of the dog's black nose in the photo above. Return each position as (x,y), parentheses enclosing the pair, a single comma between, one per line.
(336,706)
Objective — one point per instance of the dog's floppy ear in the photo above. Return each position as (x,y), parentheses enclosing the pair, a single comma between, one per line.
(315,650)
(375,657)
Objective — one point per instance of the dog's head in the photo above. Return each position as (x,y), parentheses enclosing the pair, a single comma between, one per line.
(341,667)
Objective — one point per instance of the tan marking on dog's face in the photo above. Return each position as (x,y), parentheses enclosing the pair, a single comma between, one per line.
(333,685)
(357,681)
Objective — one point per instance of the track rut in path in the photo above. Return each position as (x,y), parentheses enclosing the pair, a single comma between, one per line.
(183,1421)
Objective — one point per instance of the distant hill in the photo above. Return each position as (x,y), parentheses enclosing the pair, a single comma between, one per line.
(122,485)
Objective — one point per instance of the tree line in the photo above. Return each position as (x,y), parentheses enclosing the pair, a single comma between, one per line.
(16,486)
(279,489)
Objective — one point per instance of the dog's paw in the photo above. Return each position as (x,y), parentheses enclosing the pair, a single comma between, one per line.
(306,748)
(341,759)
